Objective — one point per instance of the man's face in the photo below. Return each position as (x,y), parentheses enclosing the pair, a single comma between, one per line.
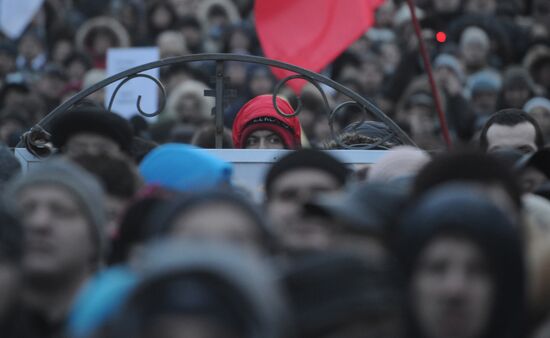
(372,77)
(186,109)
(421,119)
(452,289)
(90,143)
(30,47)
(474,54)
(50,87)
(520,137)
(264,139)
(484,102)
(58,235)
(285,206)
(516,96)
(219,222)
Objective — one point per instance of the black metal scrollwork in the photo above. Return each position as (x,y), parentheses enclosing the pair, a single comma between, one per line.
(331,113)
(138,103)
(36,140)
(298,109)
(355,126)
(332,116)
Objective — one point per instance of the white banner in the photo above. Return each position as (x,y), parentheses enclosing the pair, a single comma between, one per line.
(15,16)
(125,104)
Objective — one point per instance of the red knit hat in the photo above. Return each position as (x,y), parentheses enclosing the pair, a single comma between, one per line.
(259,114)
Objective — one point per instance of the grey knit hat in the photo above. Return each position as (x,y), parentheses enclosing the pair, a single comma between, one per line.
(248,288)
(78,182)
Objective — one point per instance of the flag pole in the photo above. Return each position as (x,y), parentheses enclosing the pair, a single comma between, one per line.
(428,68)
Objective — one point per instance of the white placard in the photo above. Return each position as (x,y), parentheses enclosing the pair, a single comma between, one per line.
(125,104)
(15,16)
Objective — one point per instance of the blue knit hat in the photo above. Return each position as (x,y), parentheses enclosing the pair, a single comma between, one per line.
(184,168)
(99,300)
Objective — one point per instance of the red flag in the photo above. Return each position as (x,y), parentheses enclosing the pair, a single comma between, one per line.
(310,33)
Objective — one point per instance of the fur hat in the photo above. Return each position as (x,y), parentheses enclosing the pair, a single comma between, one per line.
(92,119)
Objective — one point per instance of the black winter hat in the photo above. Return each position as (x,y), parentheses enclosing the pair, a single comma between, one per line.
(306,158)
(91,118)
(330,289)
(368,208)
(374,129)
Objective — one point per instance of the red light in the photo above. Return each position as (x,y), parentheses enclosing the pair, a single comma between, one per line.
(441,37)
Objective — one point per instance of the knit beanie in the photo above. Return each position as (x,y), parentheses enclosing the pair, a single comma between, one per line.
(306,158)
(80,184)
(184,168)
(484,80)
(99,300)
(537,102)
(205,279)
(451,62)
(475,34)
(260,114)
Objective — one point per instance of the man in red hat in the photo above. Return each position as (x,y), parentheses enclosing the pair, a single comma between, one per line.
(259,126)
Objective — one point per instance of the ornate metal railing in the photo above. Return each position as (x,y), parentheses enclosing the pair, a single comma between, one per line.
(36,139)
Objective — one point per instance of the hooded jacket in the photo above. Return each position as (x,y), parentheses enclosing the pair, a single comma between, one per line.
(260,114)
(455,209)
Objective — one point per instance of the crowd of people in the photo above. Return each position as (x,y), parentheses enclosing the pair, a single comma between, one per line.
(487,55)
(133,229)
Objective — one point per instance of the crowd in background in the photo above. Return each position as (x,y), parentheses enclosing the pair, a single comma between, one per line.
(134,230)
(487,55)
